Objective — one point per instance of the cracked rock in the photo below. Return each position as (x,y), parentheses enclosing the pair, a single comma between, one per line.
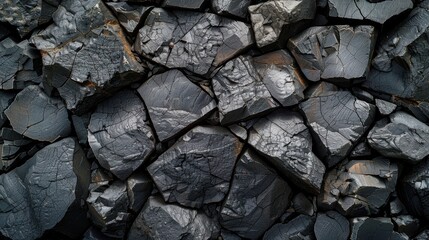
(194,41)
(24,15)
(139,188)
(188,4)
(241,92)
(37,116)
(286,142)
(197,169)
(331,226)
(371,228)
(401,136)
(359,187)
(257,198)
(6,98)
(37,195)
(159,220)
(338,53)
(130,16)
(385,107)
(231,7)
(120,135)
(337,119)
(174,103)
(298,228)
(275,21)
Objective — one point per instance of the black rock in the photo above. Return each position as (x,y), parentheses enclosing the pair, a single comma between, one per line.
(371,228)
(130,16)
(286,142)
(120,135)
(197,169)
(302,204)
(231,7)
(174,103)
(424,235)
(407,224)
(37,116)
(257,198)
(94,233)
(299,228)
(331,226)
(139,188)
(188,4)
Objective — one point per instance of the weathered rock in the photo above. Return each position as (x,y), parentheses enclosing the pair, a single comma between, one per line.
(174,103)
(159,220)
(376,11)
(139,188)
(231,7)
(240,91)
(257,198)
(37,195)
(202,42)
(371,228)
(359,187)
(120,135)
(6,98)
(337,119)
(407,224)
(299,228)
(275,21)
(130,16)
(331,226)
(188,4)
(385,107)
(37,116)
(285,141)
(402,136)
(337,53)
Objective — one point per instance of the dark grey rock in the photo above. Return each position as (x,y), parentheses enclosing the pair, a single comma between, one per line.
(363,95)
(130,16)
(286,142)
(402,136)
(197,169)
(231,7)
(385,107)
(257,198)
(94,233)
(24,15)
(202,42)
(37,195)
(361,150)
(159,220)
(424,235)
(37,116)
(174,103)
(80,124)
(240,91)
(331,226)
(359,187)
(407,224)
(188,4)
(139,188)
(299,228)
(338,120)
(6,99)
(337,53)
(239,131)
(302,205)
(371,228)
(120,135)
(396,207)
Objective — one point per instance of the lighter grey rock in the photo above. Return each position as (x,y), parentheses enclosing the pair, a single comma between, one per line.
(331,226)
(385,107)
(130,16)
(139,188)
(299,228)
(231,7)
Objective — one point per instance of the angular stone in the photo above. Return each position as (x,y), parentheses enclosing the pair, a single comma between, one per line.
(257,198)
(188,4)
(37,116)
(24,15)
(407,224)
(120,135)
(80,124)
(174,103)
(337,119)
(275,21)
(139,188)
(195,41)
(298,228)
(159,220)
(6,98)
(371,228)
(338,53)
(302,205)
(376,11)
(361,150)
(240,91)
(331,226)
(402,136)
(281,76)
(385,107)
(359,187)
(231,7)
(197,169)
(285,141)
(130,16)
(37,195)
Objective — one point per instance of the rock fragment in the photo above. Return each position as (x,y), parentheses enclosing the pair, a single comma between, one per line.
(385,107)
(371,228)
(24,15)
(6,98)
(362,150)
(139,188)
(130,16)
(300,227)
(231,7)
(331,226)
(407,224)
(423,235)
(302,204)
(188,4)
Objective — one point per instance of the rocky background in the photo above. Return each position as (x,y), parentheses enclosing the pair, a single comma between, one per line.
(214,119)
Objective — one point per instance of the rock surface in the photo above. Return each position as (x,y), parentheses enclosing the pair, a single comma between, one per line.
(300,227)
(231,7)
(331,226)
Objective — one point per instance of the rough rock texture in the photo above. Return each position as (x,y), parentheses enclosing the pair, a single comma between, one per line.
(24,14)
(337,53)
(139,188)
(385,107)
(231,7)
(257,198)
(194,41)
(197,169)
(130,16)
(331,226)
(174,103)
(37,116)
(119,134)
(299,228)
(37,195)
(371,228)
(285,141)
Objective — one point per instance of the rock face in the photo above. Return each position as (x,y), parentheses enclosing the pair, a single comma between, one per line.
(163,41)
(37,195)
(119,134)
(285,141)
(331,226)
(231,7)
(300,227)
(24,15)
(372,228)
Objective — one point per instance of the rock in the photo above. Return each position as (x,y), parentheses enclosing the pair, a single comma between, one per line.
(94,234)
(198,168)
(162,41)
(298,228)
(281,76)
(174,103)
(337,120)
(37,195)
(130,16)
(120,135)
(239,131)
(188,4)
(240,91)
(231,7)
(359,187)
(302,205)
(159,220)
(385,107)
(331,226)
(285,141)
(402,136)
(407,224)
(338,53)
(371,228)
(80,125)
(361,150)
(139,188)
(257,198)
(275,21)
(396,207)
(37,116)
(423,235)
(6,98)
(376,11)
